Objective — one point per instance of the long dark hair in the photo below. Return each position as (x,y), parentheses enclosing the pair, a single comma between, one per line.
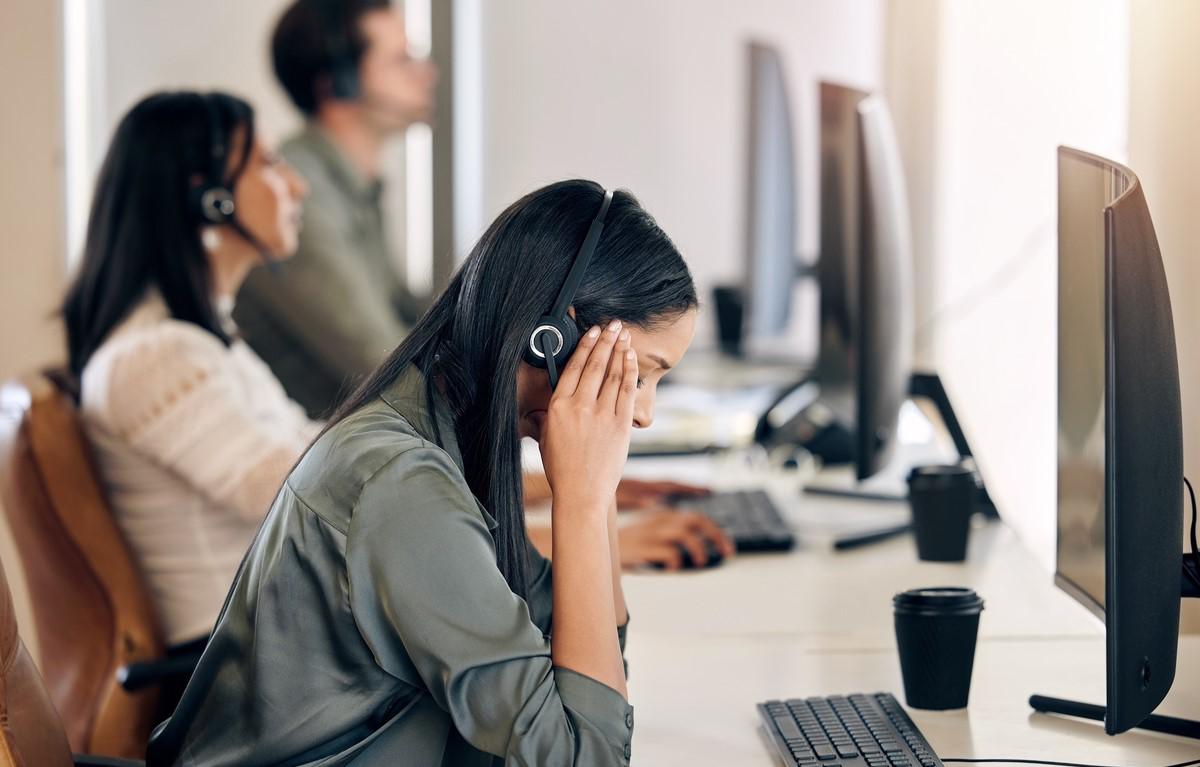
(142,230)
(469,344)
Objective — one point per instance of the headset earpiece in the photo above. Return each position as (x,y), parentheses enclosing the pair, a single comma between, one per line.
(564,337)
(553,340)
(215,204)
(212,200)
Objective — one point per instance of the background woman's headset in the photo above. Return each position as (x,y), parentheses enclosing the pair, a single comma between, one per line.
(556,335)
(212,201)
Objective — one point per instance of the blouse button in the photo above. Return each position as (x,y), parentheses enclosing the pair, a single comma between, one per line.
(628,751)
(629,720)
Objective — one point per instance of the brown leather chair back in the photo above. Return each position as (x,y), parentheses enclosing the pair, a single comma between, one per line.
(30,732)
(91,609)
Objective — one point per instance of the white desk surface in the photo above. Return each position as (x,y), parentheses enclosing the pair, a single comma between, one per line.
(705,646)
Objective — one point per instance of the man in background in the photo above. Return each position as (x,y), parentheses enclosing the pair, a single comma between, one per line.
(330,315)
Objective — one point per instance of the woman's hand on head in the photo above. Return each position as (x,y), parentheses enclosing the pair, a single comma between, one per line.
(661,537)
(585,439)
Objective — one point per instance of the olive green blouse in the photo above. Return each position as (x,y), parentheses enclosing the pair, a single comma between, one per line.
(369,624)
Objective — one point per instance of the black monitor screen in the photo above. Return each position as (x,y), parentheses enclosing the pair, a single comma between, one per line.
(1085,188)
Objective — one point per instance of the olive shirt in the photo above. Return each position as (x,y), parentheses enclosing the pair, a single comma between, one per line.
(329,315)
(369,623)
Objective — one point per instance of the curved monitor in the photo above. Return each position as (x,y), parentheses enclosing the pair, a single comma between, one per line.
(1120,435)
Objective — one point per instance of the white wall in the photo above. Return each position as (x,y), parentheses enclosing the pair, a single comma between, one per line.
(1164,127)
(221,44)
(31,209)
(651,96)
(998,87)
(31,215)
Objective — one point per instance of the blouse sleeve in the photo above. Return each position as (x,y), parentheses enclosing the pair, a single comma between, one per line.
(175,397)
(430,602)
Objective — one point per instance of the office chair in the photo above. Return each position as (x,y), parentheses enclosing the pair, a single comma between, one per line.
(94,619)
(31,734)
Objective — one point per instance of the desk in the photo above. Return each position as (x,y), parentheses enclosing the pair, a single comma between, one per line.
(705,646)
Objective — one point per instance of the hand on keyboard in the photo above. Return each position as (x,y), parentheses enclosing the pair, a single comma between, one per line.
(670,539)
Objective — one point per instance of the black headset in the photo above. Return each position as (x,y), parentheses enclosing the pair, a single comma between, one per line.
(556,335)
(212,200)
(343,69)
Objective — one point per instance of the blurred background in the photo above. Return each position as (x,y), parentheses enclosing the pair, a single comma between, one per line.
(652,97)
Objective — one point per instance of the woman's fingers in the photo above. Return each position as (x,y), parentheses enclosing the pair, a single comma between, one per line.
(596,366)
(568,380)
(611,388)
(696,546)
(627,389)
(712,531)
(668,555)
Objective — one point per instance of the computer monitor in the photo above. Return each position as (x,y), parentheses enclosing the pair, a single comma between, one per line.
(847,409)
(1120,435)
(770,201)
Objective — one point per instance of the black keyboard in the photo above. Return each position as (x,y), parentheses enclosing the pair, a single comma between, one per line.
(845,731)
(749,517)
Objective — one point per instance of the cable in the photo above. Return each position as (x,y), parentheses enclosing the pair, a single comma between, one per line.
(1055,764)
(981,292)
(1190,572)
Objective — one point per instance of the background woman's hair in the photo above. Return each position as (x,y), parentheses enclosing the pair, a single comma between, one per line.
(471,341)
(142,231)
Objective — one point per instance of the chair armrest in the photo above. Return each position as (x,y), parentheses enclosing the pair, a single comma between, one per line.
(91,760)
(136,676)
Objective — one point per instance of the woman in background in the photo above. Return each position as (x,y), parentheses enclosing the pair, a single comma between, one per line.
(192,433)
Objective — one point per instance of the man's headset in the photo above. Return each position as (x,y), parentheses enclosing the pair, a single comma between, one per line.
(556,335)
(344,82)
(212,201)
(343,69)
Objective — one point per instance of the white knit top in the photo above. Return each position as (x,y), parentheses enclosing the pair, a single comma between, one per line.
(193,439)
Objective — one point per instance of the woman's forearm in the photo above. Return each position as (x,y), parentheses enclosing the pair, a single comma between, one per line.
(621,613)
(584,637)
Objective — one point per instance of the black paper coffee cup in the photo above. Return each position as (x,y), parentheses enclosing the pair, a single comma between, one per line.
(943,502)
(936,630)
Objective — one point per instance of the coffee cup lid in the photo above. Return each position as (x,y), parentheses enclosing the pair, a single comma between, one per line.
(938,600)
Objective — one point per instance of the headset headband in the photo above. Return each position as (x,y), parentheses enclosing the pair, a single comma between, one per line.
(575,276)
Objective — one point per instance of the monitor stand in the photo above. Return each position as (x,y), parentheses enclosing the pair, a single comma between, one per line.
(1184,728)
(816,420)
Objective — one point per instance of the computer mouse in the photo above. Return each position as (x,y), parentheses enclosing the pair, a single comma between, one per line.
(715,557)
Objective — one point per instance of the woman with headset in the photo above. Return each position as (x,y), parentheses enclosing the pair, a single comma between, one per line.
(391,609)
(191,432)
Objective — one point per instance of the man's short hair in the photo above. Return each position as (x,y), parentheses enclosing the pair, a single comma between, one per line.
(310,36)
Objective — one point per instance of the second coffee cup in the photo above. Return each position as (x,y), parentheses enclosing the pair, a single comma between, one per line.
(943,502)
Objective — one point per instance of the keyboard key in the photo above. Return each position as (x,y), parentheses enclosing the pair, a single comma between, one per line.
(787,727)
